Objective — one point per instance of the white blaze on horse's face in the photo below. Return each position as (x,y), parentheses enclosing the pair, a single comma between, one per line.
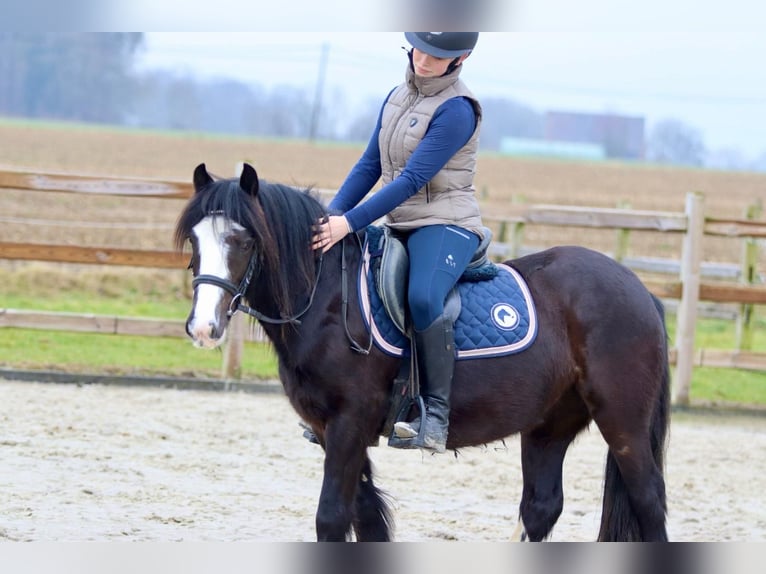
(208,320)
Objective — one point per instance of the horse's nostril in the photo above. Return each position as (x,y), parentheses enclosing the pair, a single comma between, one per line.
(214,334)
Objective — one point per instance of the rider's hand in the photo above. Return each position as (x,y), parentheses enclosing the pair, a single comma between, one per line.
(330,231)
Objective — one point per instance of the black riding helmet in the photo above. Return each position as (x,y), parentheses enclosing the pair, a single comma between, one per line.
(443,44)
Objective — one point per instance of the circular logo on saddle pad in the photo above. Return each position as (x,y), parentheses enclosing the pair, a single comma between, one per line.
(505,316)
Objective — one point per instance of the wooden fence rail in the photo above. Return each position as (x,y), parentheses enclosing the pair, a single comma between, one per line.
(87,323)
(95,185)
(689,289)
(93,255)
(148,327)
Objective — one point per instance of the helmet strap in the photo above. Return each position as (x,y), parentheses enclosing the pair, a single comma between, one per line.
(452,65)
(451,68)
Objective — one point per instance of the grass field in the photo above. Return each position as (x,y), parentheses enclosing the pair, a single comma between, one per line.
(132,355)
(72,219)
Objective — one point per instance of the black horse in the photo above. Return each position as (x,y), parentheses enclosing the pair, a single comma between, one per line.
(600,355)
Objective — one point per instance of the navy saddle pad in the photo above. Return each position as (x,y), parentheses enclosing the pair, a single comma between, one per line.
(497,316)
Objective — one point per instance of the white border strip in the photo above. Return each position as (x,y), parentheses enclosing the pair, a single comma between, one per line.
(364,297)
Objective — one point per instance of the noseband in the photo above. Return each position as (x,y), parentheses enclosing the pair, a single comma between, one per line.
(238,292)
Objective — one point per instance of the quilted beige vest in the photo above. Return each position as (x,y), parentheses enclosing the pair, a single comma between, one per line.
(449,198)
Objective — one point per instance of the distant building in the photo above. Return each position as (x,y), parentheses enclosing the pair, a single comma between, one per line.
(621,137)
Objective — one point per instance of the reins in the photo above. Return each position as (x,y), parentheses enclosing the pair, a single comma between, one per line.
(356,347)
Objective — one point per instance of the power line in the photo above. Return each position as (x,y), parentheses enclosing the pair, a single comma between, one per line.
(318,92)
(313,54)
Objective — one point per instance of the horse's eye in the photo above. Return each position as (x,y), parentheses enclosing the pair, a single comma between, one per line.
(246,244)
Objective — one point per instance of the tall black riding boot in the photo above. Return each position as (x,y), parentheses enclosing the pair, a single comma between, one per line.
(435,350)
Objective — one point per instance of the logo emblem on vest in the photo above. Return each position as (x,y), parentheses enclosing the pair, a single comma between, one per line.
(413,122)
(505,316)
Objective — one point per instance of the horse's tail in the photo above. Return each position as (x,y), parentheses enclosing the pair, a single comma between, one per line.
(619,521)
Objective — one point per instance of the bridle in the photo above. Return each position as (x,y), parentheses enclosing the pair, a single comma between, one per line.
(238,292)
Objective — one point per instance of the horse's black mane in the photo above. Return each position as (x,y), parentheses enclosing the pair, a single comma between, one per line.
(280,219)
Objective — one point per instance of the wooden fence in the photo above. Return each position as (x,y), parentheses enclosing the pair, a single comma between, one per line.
(688,287)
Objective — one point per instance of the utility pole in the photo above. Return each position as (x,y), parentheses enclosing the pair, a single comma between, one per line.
(317,107)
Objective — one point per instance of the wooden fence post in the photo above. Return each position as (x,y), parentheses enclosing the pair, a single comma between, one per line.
(234,348)
(623,237)
(691,258)
(518,239)
(747,277)
(502,238)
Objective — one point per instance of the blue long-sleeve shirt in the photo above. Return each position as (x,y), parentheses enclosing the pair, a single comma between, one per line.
(450,129)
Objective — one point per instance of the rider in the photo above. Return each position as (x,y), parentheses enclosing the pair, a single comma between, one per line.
(424,149)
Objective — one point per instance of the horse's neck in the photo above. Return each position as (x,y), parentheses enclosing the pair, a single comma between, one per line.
(331,284)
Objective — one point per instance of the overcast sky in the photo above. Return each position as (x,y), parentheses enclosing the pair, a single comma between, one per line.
(714,81)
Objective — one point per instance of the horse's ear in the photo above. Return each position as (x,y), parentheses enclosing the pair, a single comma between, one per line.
(201,177)
(248,181)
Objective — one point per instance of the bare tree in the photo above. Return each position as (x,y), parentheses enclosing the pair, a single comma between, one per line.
(759,163)
(674,142)
(508,118)
(73,76)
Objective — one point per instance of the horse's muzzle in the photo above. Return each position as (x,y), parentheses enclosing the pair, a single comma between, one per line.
(205,335)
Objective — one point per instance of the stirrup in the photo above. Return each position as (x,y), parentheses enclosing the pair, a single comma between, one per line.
(308,433)
(396,441)
(405,436)
(418,441)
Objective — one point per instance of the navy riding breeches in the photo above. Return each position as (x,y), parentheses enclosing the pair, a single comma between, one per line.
(438,256)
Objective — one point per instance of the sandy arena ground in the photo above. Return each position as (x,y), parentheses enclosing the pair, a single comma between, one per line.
(108,463)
